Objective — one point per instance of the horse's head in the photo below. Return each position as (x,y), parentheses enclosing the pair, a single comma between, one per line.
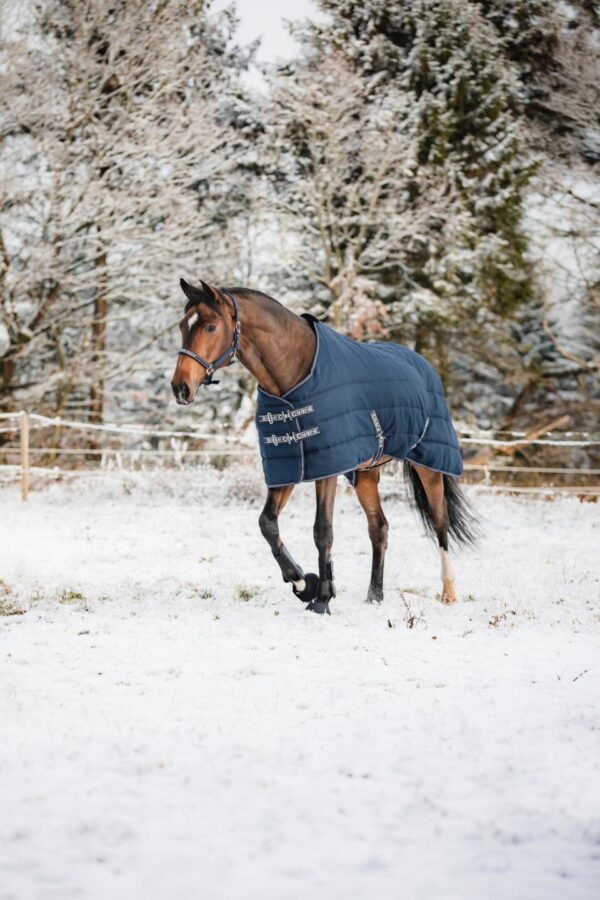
(209,339)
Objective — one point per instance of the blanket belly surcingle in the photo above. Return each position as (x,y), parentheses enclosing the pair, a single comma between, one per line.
(359,402)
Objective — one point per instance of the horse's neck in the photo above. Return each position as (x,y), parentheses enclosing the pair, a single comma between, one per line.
(276,346)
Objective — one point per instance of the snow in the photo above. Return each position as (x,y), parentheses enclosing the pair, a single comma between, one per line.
(175,724)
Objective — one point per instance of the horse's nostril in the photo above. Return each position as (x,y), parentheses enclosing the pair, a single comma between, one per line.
(181,391)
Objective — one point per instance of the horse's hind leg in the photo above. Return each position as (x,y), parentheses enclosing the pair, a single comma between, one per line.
(304,587)
(367,491)
(433,484)
(323,533)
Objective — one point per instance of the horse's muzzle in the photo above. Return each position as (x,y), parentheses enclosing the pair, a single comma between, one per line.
(182,393)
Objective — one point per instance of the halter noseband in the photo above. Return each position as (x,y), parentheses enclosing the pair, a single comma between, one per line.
(230,352)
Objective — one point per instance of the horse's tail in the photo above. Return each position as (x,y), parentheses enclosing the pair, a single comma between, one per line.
(462,522)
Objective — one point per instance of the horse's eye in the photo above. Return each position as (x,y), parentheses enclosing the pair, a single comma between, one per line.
(210,328)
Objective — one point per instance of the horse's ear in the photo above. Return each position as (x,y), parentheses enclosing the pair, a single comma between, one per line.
(198,295)
(213,298)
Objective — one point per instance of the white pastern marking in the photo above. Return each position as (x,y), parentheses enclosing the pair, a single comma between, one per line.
(300,585)
(447,567)
(192,321)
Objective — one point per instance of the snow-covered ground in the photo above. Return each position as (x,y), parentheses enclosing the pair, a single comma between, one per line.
(174,724)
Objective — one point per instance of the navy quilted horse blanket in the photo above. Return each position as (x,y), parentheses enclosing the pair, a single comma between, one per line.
(359,402)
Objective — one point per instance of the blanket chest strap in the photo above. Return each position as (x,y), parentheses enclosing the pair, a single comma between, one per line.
(286,415)
(291,438)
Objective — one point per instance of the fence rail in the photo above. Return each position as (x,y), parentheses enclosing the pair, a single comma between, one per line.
(24,423)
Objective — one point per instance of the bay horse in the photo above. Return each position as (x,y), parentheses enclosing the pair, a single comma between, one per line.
(312,386)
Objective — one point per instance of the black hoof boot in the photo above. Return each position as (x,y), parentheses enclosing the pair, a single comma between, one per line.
(320,607)
(311,588)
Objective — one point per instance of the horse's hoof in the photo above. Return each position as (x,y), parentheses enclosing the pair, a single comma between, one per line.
(311,588)
(448,592)
(320,607)
(375,597)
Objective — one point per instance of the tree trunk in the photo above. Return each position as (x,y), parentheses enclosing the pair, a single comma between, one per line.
(99,343)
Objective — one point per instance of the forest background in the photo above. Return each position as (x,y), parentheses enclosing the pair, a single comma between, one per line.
(423,171)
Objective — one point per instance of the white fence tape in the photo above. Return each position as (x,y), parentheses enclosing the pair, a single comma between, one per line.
(467,435)
(134,430)
(491,442)
(100,451)
(546,491)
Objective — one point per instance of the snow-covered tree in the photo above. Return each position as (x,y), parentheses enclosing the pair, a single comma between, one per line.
(346,181)
(556,54)
(555,49)
(124,131)
(528,31)
(464,103)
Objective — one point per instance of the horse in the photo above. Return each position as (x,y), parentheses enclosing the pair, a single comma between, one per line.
(315,422)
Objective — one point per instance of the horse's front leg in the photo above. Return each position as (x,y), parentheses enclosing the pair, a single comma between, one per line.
(323,532)
(304,586)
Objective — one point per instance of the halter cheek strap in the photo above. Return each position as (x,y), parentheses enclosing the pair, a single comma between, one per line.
(231,352)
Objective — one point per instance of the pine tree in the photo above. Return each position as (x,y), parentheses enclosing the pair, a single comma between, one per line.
(465,110)
(528,32)
(555,50)
(345,175)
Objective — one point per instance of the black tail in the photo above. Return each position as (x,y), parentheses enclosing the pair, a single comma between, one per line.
(462,522)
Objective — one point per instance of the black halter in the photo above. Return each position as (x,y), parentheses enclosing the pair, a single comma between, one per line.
(230,352)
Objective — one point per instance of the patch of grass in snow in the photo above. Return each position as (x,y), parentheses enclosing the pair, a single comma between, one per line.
(7,605)
(501,617)
(9,609)
(246,592)
(197,591)
(70,596)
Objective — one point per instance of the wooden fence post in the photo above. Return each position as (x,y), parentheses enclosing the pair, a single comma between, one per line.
(24,432)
